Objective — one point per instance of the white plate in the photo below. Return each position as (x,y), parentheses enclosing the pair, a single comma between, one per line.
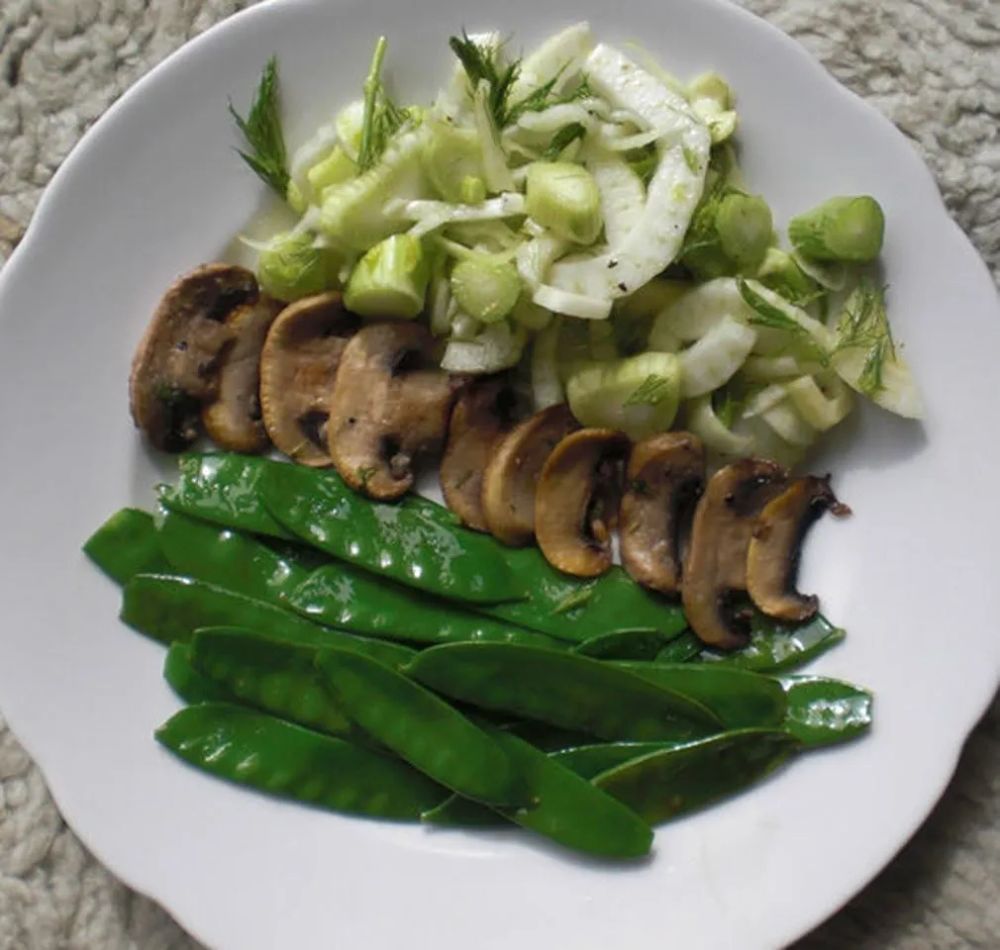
(156,188)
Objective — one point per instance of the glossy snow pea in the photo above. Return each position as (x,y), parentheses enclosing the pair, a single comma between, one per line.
(279,678)
(229,558)
(590,760)
(187,682)
(823,711)
(168,607)
(224,488)
(685,646)
(567,808)
(663,785)
(254,749)
(388,539)
(739,698)
(623,645)
(344,595)
(564,689)
(125,545)
(421,728)
(776,647)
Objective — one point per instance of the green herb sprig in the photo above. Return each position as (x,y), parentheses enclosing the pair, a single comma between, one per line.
(261,128)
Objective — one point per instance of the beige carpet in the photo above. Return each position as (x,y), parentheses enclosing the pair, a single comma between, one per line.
(932,66)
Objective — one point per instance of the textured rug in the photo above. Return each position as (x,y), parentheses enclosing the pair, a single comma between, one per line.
(932,66)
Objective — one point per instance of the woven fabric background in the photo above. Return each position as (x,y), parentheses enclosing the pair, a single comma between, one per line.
(932,66)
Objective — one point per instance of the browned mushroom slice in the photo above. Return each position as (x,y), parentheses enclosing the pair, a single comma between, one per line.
(297,368)
(511,477)
(773,554)
(716,564)
(174,368)
(483,412)
(665,474)
(234,420)
(576,501)
(389,407)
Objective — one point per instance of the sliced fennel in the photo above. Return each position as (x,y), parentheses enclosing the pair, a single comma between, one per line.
(714,359)
(498,346)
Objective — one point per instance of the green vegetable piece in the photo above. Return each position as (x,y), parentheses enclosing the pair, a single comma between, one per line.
(846,228)
(276,677)
(745,228)
(473,190)
(225,488)
(623,645)
(343,595)
(711,86)
(391,540)
(458,812)
(262,131)
(335,169)
(485,288)
(778,271)
(682,648)
(564,198)
(543,736)
(739,698)
(170,608)
(126,545)
(291,266)
(251,748)
(229,559)
(674,782)
(564,689)
(421,728)
(451,157)
(186,681)
(589,761)
(390,280)
(824,711)
(777,648)
(381,118)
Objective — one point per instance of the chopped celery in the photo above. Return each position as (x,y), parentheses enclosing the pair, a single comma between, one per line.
(390,280)
(291,266)
(485,288)
(745,228)
(564,198)
(452,155)
(846,228)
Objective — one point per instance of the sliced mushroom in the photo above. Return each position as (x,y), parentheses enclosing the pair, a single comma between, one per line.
(174,368)
(389,407)
(483,413)
(576,504)
(716,565)
(665,475)
(511,477)
(773,554)
(298,365)
(234,420)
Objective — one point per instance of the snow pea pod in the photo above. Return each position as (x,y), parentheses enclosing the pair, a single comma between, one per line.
(739,698)
(564,689)
(168,607)
(421,728)
(254,749)
(186,681)
(228,558)
(776,647)
(387,539)
(663,785)
(590,760)
(225,489)
(623,645)
(685,646)
(278,678)
(125,545)
(344,595)
(823,711)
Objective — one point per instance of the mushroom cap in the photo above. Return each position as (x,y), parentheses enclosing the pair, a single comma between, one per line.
(389,407)
(174,370)
(576,501)
(482,413)
(511,477)
(298,365)
(776,544)
(665,474)
(716,563)
(234,420)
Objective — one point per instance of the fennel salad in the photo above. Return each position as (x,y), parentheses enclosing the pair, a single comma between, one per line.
(577,216)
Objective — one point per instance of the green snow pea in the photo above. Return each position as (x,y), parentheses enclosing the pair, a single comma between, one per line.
(564,689)
(739,698)
(224,488)
(421,728)
(228,558)
(391,540)
(168,607)
(254,749)
(591,760)
(663,785)
(567,808)
(278,678)
(686,646)
(823,711)
(125,545)
(623,645)
(344,595)
(186,681)
(776,647)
